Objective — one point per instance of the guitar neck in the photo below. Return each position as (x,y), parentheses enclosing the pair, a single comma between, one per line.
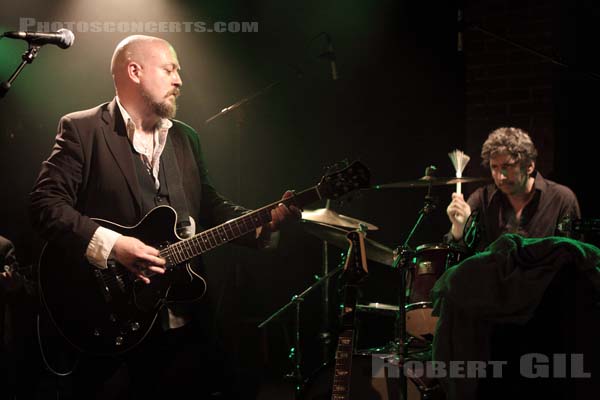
(345,347)
(343,366)
(209,239)
(355,271)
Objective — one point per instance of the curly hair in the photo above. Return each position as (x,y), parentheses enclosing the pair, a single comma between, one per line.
(508,140)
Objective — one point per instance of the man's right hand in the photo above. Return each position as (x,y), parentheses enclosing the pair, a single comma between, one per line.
(458,211)
(137,257)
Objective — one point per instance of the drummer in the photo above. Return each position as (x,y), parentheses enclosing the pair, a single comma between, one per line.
(519,201)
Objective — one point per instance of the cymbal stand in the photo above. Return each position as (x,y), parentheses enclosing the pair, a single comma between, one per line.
(325,334)
(404,256)
(295,352)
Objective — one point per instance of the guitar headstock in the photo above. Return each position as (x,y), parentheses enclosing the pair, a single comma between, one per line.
(355,267)
(336,184)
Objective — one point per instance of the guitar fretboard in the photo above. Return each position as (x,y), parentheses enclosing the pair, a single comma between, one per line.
(354,271)
(209,239)
(343,366)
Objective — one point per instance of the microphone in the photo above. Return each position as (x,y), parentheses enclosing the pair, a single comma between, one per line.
(63,38)
(330,54)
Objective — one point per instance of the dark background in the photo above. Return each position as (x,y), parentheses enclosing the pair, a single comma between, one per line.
(405,97)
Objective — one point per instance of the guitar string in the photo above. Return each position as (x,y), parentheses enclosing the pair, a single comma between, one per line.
(179,250)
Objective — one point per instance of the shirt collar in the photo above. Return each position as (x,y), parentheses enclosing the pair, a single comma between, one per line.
(540,183)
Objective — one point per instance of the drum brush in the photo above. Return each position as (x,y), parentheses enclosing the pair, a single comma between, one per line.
(459,160)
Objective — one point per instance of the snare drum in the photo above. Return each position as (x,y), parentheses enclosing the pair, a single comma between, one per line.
(430,262)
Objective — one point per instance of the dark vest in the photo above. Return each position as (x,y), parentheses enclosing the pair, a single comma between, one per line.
(150,196)
(170,191)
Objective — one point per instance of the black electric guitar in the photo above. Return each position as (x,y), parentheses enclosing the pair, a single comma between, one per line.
(109,311)
(355,270)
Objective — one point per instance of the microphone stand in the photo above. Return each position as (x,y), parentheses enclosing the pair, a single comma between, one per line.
(329,54)
(236,106)
(476,27)
(27,57)
(295,352)
(402,261)
(241,102)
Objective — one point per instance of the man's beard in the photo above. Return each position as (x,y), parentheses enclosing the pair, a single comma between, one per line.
(164,109)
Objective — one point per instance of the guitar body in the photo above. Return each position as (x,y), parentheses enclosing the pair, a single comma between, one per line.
(108,311)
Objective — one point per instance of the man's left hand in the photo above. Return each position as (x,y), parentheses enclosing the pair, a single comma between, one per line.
(282,213)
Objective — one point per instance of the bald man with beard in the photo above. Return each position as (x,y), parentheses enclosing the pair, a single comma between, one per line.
(117,162)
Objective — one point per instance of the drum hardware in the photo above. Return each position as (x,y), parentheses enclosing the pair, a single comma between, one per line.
(337,236)
(414,326)
(427,181)
(329,217)
(325,333)
(327,224)
(414,307)
(418,270)
(402,262)
(573,227)
(295,375)
(431,261)
(379,308)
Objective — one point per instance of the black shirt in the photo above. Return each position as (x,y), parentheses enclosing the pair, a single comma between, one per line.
(494,215)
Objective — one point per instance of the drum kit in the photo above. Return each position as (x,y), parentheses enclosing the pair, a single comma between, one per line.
(418,270)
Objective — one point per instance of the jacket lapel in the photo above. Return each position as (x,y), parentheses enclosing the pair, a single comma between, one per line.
(117,141)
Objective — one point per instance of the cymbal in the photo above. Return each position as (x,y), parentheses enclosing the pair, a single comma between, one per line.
(337,236)
(379,308)
(430,181)
(330,217)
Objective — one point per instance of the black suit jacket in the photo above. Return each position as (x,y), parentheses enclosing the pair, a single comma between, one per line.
(91,173)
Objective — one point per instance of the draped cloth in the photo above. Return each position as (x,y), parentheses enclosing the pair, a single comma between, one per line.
(502,285)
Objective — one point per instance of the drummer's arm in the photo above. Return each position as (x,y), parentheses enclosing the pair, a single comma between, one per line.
(459,212)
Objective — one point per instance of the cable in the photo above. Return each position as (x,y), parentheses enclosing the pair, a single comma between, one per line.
(43,354)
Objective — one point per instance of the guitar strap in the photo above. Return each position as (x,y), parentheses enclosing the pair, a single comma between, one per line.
(177,198)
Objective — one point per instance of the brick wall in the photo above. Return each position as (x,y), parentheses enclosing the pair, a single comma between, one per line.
(507,85)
